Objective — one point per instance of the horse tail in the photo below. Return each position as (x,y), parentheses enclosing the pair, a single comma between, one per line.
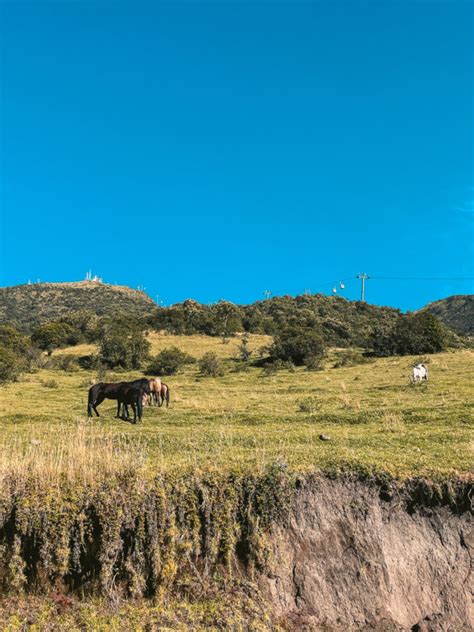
(167,395)
(90,401)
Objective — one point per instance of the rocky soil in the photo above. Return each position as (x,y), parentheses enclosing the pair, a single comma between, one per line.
(348,560)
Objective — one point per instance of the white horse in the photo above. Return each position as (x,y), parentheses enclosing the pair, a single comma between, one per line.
(419,373)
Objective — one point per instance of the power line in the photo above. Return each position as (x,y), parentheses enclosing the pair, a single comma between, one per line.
(384,278)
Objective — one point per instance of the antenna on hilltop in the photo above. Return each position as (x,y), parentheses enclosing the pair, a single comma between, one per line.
(267,294)
(363,277)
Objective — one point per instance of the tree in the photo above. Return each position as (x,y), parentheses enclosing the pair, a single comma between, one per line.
(227,319)
(51,336)
(412,334)
(12,339)
(124,348)
(296,344)
(9,365)
(169,361)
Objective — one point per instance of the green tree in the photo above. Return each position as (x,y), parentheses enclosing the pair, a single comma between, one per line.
(11,338)
(128,349)
(51,336)
(227,319)
(412,334)
(296,344)
(10,365)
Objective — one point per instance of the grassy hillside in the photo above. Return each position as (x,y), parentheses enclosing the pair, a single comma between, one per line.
(375,419)
(28,305)
(180,505)
(456,312)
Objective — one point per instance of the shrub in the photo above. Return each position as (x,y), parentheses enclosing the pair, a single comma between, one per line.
(244,351)
(272,368)
(88,362)
(124,348)
(350,357)
(20,345)
(49,383)
(10,365)
(169,361)
(11,338)
(314,363)
(67,362)
(412,334)
(296,344)
(51,336)
(210,365)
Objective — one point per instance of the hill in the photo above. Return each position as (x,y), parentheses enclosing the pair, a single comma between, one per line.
(341,322)
(28,305)
(456,312)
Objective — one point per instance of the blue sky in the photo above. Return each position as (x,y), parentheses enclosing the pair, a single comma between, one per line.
(216,150)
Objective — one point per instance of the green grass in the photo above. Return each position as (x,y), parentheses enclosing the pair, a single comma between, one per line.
(375,418)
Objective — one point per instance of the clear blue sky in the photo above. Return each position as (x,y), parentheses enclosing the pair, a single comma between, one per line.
(219,149)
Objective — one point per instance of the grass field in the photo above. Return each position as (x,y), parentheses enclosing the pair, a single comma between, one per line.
(374,417)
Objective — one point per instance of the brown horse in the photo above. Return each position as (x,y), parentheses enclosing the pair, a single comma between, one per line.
(164,395)
(155,391)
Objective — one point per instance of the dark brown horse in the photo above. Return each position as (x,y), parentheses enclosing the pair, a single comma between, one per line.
(124,392)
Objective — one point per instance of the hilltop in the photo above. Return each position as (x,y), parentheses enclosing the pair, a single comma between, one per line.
(343,322)
(28,305)
(456,312)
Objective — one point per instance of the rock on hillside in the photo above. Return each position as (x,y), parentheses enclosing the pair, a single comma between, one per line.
(28,305)
(456,312)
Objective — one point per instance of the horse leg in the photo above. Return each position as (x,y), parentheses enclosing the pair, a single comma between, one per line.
(96,403)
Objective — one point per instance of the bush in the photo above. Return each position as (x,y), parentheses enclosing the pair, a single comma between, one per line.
(244,351)
(10,365)
(296,344)
(89,362)
(49,383)
(124,348)
(169,361)
(210,365)
(314,363)
(20,345)
(350,357)
(51,336)
(412,334)
(67,362)
(11,338)
(272,368)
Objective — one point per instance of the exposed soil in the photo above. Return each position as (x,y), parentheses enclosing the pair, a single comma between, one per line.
(348,560)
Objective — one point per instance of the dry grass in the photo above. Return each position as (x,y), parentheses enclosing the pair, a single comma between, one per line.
(77,452)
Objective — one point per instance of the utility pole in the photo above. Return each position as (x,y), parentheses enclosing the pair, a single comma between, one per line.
(363,277)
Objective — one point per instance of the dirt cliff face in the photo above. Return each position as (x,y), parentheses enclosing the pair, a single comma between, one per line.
(348,560)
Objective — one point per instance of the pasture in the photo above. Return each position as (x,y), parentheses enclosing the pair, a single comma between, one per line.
(375,419)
